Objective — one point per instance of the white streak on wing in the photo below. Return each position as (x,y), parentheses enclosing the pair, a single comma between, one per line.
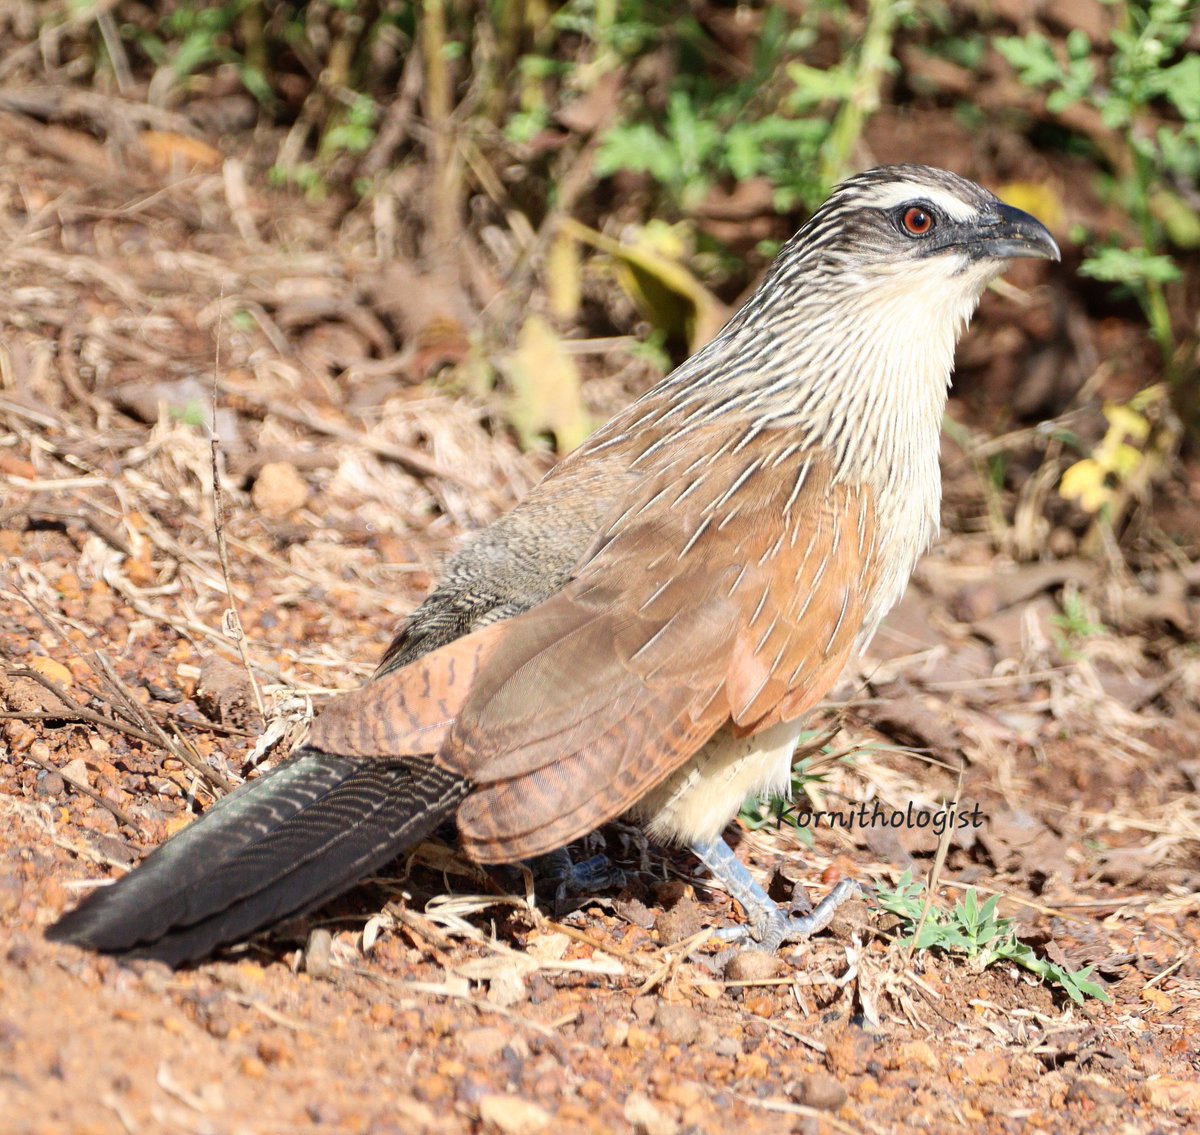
(730,516)
(657,592)
(766,635)
(726,496)
(691,488)
(801,476)
(840,619)
(695,536)
(773,550)
(762,602)
(738,581)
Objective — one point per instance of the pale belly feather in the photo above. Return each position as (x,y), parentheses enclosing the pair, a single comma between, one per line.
(696,803)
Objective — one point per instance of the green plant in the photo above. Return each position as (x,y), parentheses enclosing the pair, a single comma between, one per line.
(338,61)
(783,120)
(194,37)
(974,930)
(303,176)
(1148,72)
(1074,624)
(652,350)
(775,811)
(613,30)
(352,131)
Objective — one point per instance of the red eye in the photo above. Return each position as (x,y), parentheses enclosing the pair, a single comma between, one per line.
(916,221)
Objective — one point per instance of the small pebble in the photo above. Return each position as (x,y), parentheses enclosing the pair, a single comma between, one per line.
(683,920)
(156,978)
(614,1034)
(51,784)
(679,1023)
(852,917)
(645,1008)
(76,770)
(645,1116)
(728,1046)
(753,965)
(483,1043)
(513,1115)
(317,953)
(819,1090)
(706,1034)
(11,893)
(279,489)
(639,1039)
(51,669)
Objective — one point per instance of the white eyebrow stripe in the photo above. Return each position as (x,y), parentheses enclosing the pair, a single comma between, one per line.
(889,196)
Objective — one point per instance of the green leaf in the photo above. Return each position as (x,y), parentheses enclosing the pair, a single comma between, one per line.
(1079,982)
(1130,266)
(970,905)
(638,148)
(256,83)
(525,125)
(195,51)
(1033,59)
(816,85)
(1078,44)
(742,152)
(1181,86)
(695,139)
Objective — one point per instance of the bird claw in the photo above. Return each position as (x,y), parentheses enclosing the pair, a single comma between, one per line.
(781,925)
(786,926)
(570,880)
(770,925)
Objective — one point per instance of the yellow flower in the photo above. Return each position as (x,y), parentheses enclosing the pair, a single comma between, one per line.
(1124,421)
(1085,481)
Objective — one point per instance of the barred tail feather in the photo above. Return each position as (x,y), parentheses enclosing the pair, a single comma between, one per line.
(296,837)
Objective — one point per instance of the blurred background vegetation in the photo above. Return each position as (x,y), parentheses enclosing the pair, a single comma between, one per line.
(562,178)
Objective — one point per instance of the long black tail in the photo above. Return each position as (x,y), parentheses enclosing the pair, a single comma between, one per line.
(280,845)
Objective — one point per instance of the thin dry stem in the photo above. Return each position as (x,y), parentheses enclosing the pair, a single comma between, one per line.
(232,620)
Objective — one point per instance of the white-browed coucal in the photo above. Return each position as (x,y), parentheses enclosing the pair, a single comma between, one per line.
(644,633)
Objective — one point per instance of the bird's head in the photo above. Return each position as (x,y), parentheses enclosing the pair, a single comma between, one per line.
(905,242)
(883,278)
(852,330)
(902,218)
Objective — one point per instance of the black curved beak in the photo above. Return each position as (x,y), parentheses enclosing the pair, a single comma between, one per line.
(1011,234)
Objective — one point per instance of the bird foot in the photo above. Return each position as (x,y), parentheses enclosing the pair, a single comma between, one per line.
(770,925)
(770,929)
(570,879)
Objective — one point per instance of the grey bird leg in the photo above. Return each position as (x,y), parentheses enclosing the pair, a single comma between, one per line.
(770,925)
(572,879)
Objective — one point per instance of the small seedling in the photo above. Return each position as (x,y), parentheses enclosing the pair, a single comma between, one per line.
(1074,625)
(974,930)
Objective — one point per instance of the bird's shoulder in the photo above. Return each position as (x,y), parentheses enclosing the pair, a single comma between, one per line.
(520,559)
